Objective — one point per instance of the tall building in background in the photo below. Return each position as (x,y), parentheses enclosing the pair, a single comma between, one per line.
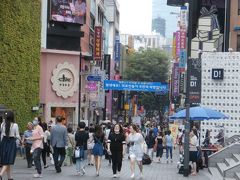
(164,18)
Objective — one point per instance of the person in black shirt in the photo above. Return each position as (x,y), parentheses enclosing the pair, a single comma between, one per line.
(115,146)
(150,141)
(81,138)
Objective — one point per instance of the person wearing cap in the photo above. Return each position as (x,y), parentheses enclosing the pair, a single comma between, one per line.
(28,143)
(59,141)
(8,150)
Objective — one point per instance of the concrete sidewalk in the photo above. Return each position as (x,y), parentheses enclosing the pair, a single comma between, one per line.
(155,171)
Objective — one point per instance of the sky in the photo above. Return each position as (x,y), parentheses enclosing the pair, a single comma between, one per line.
(135,16)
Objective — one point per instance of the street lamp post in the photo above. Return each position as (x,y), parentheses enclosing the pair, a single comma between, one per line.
(79,84)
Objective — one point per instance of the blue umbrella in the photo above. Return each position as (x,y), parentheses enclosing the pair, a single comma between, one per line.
(199,113)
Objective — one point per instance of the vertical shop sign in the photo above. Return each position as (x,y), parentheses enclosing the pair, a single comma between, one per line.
(182,60)
(98,43)
(178,43)
(194,83)
(117,49)
(175,80)
(174,46)
(107,61)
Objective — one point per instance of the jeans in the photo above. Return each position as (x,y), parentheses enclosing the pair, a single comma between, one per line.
(37,160)
(29,156)
(168,149)
(159,150)
(58,157)
(81,162)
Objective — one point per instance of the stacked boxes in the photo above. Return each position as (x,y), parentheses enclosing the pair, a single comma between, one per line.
(208,36)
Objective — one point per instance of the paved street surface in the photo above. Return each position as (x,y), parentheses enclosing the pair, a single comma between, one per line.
(155,171)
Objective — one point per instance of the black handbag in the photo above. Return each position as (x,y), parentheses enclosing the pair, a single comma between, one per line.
(146,159)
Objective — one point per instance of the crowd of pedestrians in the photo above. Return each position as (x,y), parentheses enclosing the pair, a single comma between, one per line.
(63,146)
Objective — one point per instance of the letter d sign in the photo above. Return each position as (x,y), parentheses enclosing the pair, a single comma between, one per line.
(217,73)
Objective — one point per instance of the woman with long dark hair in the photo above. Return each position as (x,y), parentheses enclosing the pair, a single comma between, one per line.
(98,147)
(115,146)
(8,147)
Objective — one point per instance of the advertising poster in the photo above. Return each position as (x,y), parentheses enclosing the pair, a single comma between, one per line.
(98,43)
(194,84)
(174,131)
(70,11)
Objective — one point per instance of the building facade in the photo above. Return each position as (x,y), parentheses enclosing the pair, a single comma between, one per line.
(220,82)
(113,16)
(62,70)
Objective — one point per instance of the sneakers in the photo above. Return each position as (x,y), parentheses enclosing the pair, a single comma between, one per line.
(37,175)
(83,171)
(171,161)
(46,166)
(97,173)
(115,176)
(132,176)
(118,173)
(141,175)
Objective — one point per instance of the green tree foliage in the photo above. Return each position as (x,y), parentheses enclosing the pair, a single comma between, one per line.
(19,57)
(151,65)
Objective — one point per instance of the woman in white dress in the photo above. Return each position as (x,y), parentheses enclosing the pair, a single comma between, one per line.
(135,141)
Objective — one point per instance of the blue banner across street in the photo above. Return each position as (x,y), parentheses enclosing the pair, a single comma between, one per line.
(136,86)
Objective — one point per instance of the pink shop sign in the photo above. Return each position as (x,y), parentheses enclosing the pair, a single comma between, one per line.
(92,86)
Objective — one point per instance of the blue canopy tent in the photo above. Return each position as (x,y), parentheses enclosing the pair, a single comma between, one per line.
(199,113)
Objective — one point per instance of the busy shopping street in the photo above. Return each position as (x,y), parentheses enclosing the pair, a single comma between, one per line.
(120,89)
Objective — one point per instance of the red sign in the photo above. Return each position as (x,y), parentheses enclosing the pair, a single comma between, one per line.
(98,43)
(183,39)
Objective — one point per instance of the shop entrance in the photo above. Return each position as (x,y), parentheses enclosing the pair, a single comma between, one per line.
(68,113)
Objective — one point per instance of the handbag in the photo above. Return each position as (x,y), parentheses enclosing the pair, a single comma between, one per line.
(79,152)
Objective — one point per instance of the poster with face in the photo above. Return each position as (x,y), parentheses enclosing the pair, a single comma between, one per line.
(70,11)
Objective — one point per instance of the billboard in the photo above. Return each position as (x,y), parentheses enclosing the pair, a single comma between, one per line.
(70,11)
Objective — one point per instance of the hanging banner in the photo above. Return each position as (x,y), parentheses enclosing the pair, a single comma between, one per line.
(194,83)
(175,79)
(98,43)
